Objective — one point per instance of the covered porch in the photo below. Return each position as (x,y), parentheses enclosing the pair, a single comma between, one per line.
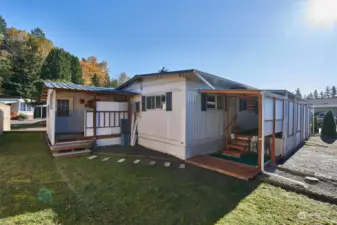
(253,121)
(79,117)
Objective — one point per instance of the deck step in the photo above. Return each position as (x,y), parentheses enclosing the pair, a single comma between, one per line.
(237,147)
(241,142)
(71,154)
(242,136)
(232,153)
(71,145)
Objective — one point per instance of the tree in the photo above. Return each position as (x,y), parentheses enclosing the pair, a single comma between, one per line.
(37,32)
(123,77)
(315,94)
(310,96)
(26,66)
(163,70)
(3,29)
(298,93)
(57,66)
(327,91)
(90,67)
(76,71)
(329,125)
(333,91)
(321,94)
(95,80)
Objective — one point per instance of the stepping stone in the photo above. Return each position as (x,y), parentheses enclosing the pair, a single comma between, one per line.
(121,160)
(92,157)
(136,161)
(167,164)
(105,159)
(182,166)
(152,163)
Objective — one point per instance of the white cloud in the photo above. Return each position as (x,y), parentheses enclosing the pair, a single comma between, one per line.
(322,13)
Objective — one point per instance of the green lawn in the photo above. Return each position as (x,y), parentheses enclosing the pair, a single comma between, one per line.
(94,192)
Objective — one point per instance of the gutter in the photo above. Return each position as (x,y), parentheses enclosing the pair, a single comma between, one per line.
(263,150)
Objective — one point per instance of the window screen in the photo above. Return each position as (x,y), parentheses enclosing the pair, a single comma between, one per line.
(62,107)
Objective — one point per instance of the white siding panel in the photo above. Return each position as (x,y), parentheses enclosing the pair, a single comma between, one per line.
(279,109)
(109,141)
(268,108)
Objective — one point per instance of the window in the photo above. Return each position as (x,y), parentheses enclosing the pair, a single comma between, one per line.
(211,102)
(242,105)
(22,106)
(220,102)
(155,102)
(62,107)
(28,107)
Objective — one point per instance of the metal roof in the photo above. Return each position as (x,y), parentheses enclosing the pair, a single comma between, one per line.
(216,81)
(78,87)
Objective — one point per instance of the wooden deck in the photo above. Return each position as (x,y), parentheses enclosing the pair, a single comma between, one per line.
(223,166)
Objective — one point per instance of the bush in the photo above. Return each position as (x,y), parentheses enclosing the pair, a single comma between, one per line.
(329,125)
(22,116)
(316,125)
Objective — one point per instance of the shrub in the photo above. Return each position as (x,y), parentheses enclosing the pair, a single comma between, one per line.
(329,125)
(316,125)
(22,116)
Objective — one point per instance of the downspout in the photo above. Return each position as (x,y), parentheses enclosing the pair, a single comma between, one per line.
(262,154)
(204,80)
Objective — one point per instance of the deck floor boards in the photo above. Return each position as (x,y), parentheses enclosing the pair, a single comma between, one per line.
(223,166)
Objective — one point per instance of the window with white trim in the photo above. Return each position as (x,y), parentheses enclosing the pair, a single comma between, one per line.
(156,102)
(211,101)
(63,107)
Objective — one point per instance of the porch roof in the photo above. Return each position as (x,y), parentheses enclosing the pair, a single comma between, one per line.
(83,88)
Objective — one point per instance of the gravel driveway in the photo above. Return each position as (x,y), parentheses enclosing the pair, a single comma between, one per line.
(315,159)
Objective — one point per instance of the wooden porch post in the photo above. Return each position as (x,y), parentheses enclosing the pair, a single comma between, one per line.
(94,115)
(227,119)
(259,154)
(235,112)
(273,137)
(129,115)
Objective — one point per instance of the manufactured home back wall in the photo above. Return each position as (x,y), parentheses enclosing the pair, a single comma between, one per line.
(159,129)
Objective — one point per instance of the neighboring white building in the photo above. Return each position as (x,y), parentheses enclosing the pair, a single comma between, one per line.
(19,106)
(5,117)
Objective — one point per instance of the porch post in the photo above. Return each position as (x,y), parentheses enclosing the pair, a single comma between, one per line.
(273,137)
(94,117)
(227,119)
(260,118)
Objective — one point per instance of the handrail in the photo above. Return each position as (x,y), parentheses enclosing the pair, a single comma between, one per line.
(231,122)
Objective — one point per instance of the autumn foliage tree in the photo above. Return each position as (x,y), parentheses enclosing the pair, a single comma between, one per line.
(91,66)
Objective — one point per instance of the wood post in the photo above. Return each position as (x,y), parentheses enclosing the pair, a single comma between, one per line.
(227,120)
(129,115)
(273,137)
(260,121)
(235,109)
(94,117)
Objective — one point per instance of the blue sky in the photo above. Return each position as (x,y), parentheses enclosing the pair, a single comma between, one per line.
(266,44)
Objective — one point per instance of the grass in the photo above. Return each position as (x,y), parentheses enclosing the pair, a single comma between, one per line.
(94,192)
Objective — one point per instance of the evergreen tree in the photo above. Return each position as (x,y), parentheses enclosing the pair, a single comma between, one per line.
(310,96)
(76,71)
(333,91)
(57,66)
(298,93)
(95,80)
(321,94)
(329,125)
(315,94)
(37,32)
(26,66)
(327,92)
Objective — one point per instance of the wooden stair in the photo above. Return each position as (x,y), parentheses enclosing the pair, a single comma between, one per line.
(72,149)
(238,146)
(251,105)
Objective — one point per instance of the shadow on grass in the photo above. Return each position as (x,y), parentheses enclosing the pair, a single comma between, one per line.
(92,192)
(328,140)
